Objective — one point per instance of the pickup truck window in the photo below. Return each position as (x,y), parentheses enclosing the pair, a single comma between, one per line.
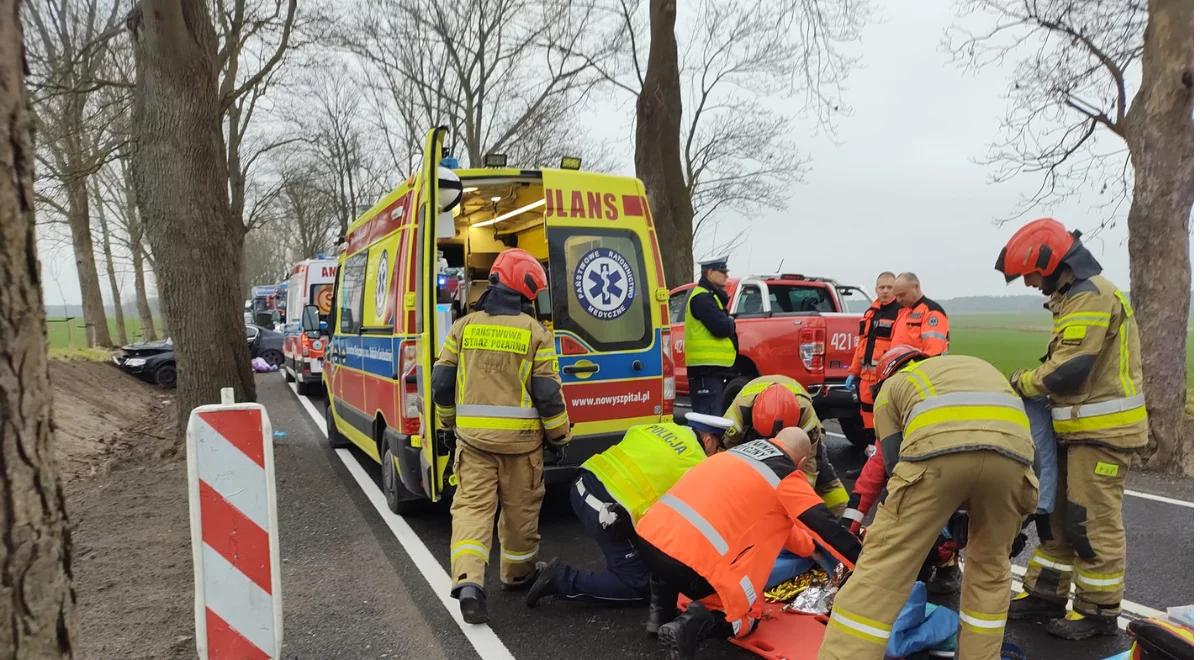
(678,305)
(791,299)
(750,300)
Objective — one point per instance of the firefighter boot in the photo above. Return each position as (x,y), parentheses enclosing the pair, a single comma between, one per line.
(663,608)
(473,602)
(945,581)
(1076,626)
(681,638)
(1027,607)
(548,576)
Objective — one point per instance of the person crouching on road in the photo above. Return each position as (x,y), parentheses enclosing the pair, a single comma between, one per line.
(612,493)
(496,383)
(771,403)
(954,435)
(1089,391)
(717,533)
(709,337)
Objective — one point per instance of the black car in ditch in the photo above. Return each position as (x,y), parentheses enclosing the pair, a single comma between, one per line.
(154,361)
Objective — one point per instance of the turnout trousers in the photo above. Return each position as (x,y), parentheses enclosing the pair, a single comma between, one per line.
(625,578)
(997,491)
(512,482)
(1087,533)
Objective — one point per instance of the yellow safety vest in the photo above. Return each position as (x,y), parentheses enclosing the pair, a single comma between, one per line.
(703,349)
(645,464)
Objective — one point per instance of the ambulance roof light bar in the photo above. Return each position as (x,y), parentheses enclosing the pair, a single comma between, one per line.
(518,211)
(495,160)
(571,162)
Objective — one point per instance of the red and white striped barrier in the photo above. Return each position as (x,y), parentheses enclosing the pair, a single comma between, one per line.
(235,540)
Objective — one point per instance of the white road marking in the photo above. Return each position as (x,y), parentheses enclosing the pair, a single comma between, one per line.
(1160,498)
(1127,606)
(481,637)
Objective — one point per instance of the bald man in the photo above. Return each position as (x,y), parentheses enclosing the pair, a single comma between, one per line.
(921,322)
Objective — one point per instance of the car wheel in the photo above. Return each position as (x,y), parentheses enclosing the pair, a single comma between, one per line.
(731,390)
(287,374)
(273,357)
(856,434)
(332,435)
(399,500)
(165,376)
(303,388)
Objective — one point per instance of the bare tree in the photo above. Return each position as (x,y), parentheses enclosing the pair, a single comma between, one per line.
(738,154)
(1072,90)
(109,267)
(37,599)
(311,214)
(65,60)
(180,176)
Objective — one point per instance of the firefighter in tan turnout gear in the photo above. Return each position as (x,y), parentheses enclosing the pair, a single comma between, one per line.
(496,383)
(1092,377)
(954,435)
(749,424)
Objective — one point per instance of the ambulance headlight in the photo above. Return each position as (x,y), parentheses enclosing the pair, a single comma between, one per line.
(135,362)
(450,189)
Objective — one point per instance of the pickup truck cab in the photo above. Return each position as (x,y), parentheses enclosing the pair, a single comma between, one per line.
(792,325)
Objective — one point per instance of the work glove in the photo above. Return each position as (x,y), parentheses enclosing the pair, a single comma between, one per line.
(851,381)
(1018,545)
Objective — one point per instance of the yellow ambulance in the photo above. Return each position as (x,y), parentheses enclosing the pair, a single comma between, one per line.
(410,268)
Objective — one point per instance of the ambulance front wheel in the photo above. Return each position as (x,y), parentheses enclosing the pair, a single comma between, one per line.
(399,500)
(332,435)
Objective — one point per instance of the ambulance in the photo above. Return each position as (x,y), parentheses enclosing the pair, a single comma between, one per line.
(310,283)
(411,267)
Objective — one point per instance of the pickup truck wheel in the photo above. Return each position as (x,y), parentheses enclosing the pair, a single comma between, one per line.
(731,390)
(332,435)
(856,434)
(399,500)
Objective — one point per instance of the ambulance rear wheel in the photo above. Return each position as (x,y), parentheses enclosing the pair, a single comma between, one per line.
(333,436)
(399,500)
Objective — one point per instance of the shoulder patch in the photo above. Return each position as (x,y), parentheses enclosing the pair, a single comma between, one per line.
(933,320)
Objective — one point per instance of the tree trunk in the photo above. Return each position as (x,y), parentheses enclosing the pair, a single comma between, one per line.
(37,600)
(656,152)
(136,245)
(85,257)
(1160,132)
(181,182)
(114,289)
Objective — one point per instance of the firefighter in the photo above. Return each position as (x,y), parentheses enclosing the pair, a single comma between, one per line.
(771,403)
(921,322)
(709,337)
(716,534)
(496,383)
(954,434)
(874,338)
(612,493)
(1092,375)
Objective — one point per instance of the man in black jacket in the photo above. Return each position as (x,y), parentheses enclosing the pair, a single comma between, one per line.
(710,337)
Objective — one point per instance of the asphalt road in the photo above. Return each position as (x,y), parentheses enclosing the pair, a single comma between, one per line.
(360,582)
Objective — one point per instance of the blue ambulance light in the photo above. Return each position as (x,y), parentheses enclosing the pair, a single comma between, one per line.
(449,162)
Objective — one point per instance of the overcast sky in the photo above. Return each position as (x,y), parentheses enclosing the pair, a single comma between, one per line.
(896,189)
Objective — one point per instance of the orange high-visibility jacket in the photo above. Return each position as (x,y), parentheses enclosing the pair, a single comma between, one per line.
(728,518)
(925,326)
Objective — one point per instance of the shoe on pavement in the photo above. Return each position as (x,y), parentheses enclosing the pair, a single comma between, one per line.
(1027,607)
(546,583)
(1076,626)
(472,601)
(663,606)
(945,581)
(681,638)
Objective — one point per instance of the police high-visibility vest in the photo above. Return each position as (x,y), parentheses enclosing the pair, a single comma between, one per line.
(644,465)
(703,348)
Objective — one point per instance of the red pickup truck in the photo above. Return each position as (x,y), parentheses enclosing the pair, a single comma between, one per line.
(792,325)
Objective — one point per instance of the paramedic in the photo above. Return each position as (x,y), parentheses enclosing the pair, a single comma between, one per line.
(496,383)
(1092,376)
(954,435)
(920,322)
(710,337)
(874,338)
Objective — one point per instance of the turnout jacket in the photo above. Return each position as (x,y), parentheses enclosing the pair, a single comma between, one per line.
(496,380)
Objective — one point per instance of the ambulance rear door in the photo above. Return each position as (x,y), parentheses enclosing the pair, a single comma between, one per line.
(608,301)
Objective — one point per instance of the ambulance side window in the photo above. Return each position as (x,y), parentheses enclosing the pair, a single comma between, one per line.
(350,293)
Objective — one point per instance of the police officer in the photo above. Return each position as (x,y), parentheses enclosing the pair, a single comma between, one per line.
(921,322)
(612,493)
(770,403)
(954,434)
(874,338)
(496,383)
(1092,376)
(717,532)
(710,337)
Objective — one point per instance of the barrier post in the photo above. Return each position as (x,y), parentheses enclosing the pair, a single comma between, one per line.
(235,538)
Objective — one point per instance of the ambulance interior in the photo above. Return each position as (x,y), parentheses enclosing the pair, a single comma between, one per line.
(493,215)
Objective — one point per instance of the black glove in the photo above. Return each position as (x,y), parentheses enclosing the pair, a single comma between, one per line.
(557,454)
(1018,545)
(1042,520)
